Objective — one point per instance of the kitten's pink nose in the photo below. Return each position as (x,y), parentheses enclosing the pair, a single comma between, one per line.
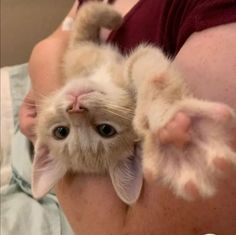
(76,98)
(76,106)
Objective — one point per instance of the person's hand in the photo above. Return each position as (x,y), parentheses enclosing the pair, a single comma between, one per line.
(45,72)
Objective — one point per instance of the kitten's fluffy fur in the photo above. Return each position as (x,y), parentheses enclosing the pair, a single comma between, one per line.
(191,169)
(94,93)
(102,86)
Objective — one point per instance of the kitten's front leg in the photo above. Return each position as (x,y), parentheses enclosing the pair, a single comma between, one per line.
(190,151)
(186,141)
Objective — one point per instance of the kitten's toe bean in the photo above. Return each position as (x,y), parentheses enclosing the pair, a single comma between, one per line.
(201,187)
(195,190)
(222,164)
(191,184)
(191,190)
(183,120)
(176,131)
(221,158)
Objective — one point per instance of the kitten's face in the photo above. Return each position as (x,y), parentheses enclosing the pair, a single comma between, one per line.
(88,123)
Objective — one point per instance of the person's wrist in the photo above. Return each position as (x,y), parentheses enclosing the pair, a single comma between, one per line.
(67,23)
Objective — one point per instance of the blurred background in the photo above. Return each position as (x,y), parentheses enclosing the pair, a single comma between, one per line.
(26,22)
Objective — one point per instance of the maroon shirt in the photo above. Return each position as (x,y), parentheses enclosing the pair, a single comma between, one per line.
(169,23)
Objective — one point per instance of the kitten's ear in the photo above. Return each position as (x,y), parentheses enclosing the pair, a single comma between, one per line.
(127,179)
(46,171)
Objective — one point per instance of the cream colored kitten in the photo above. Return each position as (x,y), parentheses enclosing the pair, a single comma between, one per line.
(86,126)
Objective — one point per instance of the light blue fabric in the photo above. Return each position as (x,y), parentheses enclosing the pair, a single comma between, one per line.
(21,214)
(20,84)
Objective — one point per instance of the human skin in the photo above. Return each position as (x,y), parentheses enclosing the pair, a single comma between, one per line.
(90,203)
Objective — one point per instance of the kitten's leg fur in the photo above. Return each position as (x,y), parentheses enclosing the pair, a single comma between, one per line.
(92,17)
(188,166)
(85,50)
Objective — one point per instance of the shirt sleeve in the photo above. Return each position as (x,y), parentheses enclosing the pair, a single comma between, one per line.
(202,14)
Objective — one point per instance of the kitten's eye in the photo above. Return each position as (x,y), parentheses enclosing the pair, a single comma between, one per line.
(106,130)
(61,132)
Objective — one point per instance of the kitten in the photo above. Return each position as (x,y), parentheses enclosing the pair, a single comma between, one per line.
(86,126)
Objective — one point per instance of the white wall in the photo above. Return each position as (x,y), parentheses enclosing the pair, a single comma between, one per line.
(24,23)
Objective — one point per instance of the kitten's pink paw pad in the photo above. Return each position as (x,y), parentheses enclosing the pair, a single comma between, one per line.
(222,164)
(176,131)
(191,190)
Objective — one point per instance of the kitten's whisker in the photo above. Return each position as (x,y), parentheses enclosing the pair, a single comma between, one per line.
(42,96)
(113,110)
(117,108)
(124,112)
(105,103)
(37,93)
(120,107)
(31,104)
(119,115)
(114,105)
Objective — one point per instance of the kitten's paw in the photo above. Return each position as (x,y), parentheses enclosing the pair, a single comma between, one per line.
(192,149)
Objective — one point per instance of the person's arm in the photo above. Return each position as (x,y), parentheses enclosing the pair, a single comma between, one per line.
(45,71)
(207,61)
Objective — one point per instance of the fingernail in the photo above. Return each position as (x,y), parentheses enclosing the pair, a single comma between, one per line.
(67,24)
